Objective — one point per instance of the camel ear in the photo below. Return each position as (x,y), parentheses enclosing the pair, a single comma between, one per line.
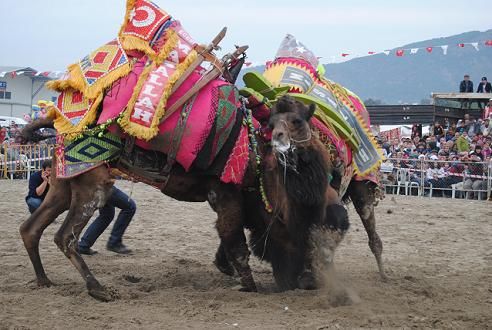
(310,111)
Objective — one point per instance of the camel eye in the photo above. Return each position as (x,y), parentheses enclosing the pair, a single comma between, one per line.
(297,122)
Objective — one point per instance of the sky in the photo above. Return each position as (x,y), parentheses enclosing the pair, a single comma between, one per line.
(48,35)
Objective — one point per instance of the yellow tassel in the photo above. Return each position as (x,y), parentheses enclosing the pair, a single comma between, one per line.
(342,94)
(130,5)
(138,130)
(64,126)
(180,69)
(77,81)
(171,43)
(135,43)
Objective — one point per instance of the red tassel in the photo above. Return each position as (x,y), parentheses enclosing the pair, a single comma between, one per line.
(429,49)
(400,52)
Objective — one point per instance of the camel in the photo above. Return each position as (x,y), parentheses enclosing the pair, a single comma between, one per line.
(82,195)
(300,239)
(85,193)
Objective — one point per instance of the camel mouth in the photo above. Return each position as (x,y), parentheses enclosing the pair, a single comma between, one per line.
(280,146)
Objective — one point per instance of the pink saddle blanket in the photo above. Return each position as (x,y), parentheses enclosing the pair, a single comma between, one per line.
(200,113)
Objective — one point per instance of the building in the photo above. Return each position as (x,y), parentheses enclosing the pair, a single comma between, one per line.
(22,87)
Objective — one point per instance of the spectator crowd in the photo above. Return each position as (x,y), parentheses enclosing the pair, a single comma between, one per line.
(450,154)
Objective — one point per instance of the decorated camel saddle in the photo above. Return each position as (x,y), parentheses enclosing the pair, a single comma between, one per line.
(340,120)
(149,87)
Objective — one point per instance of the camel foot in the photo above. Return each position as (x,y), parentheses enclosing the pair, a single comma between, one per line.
(44,283)
(102,294)
(224,267)
(307,281)
(384,277)
(245,289)
(248,285)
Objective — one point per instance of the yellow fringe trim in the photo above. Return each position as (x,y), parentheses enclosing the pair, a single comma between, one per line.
(342,94)
(130,4)
(144,132)
(77,81)
(130,42)
(147,133)
(59,85)
(64,126)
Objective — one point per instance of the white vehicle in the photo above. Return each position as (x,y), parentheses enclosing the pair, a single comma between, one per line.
(6,121)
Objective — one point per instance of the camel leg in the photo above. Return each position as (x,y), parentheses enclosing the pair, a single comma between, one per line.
(56,202)
(221,261)
(363,196)
(230,228)
(89,192)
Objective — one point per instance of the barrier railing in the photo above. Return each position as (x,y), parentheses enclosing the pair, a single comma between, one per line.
(19,161)
(401,176)
(437,178)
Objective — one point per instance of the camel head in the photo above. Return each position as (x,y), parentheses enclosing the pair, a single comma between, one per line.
(289,122)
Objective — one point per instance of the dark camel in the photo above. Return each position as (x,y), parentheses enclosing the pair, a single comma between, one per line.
(299,240)
(82,195)
(85,193)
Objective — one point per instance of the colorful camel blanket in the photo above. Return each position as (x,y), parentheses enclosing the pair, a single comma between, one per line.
(74,157)
(296,67)
(151,53)
(130,81)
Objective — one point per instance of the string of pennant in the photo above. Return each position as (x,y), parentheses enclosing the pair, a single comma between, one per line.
(32,73)
(399,52)
(402,51)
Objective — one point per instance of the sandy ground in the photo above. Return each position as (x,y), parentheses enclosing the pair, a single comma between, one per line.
(438,253)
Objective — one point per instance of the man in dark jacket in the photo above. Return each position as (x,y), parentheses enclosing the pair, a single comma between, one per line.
(466,86)
(484,86)
(39,184)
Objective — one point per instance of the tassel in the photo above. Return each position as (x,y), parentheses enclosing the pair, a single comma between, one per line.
(64,126)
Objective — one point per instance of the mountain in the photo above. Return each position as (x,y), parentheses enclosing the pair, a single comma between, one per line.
(413,77)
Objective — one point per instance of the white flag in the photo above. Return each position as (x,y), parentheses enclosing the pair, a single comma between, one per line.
(414,50)
(475,45)
(444,49)
(386,52)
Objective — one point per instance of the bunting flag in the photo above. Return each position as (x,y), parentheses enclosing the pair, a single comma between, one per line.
(31,73)
(444,49)
(400,52)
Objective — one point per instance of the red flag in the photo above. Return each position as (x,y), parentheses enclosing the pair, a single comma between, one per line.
(488,43)
(429,49)
(461,45)
(345,54)
(371,53)
(400,52)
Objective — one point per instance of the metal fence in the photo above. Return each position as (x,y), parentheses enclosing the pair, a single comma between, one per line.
(437,178)
(19,161)
(400,176)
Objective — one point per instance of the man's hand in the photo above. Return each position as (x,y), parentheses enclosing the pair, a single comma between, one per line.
(45,176)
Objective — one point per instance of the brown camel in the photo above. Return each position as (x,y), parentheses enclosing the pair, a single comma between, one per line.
(308,222)
(85,193)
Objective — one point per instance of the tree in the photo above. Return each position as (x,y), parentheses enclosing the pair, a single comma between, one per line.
(425,101)
(371,101)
